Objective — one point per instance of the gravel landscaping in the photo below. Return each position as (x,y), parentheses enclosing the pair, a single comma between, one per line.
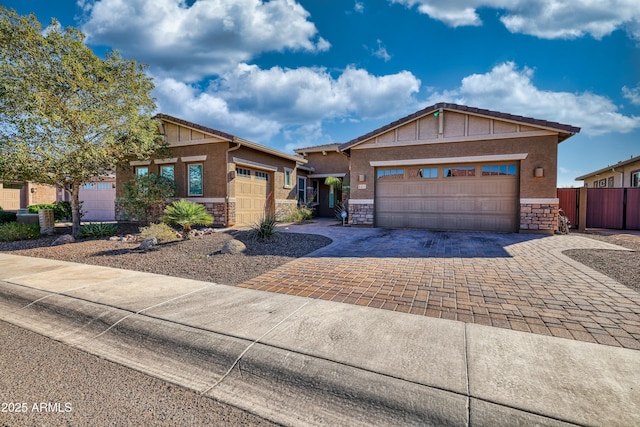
(197,258)
(621,266)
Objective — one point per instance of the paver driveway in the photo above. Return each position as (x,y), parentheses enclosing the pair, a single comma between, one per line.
(516,281)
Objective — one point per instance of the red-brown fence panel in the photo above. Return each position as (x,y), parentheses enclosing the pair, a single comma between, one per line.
(633,209)
(569,204)
(605,208)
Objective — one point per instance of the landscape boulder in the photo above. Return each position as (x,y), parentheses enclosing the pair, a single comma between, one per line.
(63,240)
(148,243)
(233,246)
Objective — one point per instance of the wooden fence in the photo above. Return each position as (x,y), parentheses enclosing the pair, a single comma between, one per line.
(616,208)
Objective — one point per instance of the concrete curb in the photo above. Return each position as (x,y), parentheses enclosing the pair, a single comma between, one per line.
(299,361)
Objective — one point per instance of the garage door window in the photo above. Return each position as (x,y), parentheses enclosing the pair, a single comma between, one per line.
(390,173)
(458,171)
(428,173)
(243,172)
(262,176)
(195,180)
(499,170)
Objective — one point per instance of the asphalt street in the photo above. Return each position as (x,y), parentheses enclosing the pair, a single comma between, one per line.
(44,382)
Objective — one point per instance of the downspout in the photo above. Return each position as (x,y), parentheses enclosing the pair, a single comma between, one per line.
(613,169)
(226,198)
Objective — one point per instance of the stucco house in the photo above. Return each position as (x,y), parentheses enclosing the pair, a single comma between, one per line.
(445,167)
(20,195)
(453,167)
(624,174)
(238,181)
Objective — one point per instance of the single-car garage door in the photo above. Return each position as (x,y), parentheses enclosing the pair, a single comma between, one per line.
(481,197)
(252,195)
(98,200)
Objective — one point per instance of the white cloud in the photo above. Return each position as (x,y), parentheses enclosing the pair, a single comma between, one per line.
(381,52)
(548,19)
(259,104)
(511,90)
(204,39)
(358,7)
(633,94)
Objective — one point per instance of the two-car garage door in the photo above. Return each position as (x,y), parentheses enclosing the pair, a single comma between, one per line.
(448,197)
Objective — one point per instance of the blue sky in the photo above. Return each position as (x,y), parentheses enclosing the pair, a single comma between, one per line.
(291,74)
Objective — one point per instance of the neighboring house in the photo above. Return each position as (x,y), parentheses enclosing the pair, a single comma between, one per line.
(98,198)
(20,195)
(453,167)
(324,161)
(238,181)
(624,174)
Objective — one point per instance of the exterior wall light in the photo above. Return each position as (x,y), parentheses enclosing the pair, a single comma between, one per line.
(538,172)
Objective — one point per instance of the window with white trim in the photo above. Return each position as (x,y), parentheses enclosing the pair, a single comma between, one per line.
(635,179)
(195,179)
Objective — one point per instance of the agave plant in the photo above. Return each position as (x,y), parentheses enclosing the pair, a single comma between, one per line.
(186,214)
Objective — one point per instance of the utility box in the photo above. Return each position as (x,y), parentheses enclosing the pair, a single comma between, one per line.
(47,221)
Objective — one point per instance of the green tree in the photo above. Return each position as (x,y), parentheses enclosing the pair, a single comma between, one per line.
(186,213)
(67,115)
(145,197)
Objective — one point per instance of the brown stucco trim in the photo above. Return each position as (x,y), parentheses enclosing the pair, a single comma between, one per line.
(564,131)
(228,137)
(195,126)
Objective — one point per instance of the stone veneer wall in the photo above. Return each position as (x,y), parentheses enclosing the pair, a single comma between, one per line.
(360,213)
(539,217)
(217,210)
(284,208)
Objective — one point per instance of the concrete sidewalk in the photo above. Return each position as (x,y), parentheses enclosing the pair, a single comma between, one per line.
(300,361)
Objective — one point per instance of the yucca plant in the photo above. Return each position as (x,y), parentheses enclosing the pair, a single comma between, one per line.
(265,228)
(98,229)
(185,214)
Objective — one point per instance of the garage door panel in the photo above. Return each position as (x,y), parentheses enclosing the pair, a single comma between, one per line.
(488,203)
(251,197)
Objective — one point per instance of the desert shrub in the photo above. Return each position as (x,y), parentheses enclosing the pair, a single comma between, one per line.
(339,208)
(160,231)
(98,229)
(265,228)
(6,217)
(186,214)
(13,231)
(145,197)
(61,210)
(300,214)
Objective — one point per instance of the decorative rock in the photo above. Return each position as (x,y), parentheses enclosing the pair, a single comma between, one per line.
(114,239)
(148,243)
(233,247)
(63,240)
